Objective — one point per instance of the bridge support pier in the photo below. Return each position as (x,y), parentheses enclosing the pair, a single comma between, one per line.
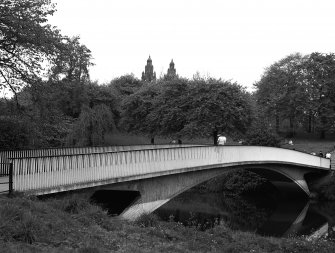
(291,173)
(157,191)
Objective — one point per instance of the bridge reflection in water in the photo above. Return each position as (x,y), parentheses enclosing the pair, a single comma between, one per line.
(282,218)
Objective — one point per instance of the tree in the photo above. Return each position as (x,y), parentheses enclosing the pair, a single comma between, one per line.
(180,107)
(72,63)
(125,85)
(14,133)
(91,126)
(135,109)
(300,89)
(26,41)
(320,77)
(282,91)
(260,134)
(170,107)
(216,106)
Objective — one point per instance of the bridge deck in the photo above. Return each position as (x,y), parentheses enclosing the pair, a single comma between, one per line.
(53,173)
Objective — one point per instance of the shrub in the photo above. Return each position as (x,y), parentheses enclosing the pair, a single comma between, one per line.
(72,204)
(147,220)
(261,135)
(14,133)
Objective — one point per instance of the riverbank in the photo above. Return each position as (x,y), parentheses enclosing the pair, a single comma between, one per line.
(72,224)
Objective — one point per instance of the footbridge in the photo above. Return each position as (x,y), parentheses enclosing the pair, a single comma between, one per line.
(157,172)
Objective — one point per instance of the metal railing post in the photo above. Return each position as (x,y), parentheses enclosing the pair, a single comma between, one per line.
(10,190)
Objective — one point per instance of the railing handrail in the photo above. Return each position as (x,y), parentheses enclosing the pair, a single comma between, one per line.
(82,147)
(173,146)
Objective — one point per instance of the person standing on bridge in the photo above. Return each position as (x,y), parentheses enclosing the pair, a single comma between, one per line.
(222,140)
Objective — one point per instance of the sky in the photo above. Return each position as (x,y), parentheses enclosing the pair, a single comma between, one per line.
(233,40)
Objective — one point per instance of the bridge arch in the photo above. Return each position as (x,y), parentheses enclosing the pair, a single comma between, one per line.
(155,192)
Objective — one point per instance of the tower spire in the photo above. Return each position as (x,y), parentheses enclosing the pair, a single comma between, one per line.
(171,73)
(149,74)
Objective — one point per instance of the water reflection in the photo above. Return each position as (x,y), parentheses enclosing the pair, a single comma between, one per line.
(267,217)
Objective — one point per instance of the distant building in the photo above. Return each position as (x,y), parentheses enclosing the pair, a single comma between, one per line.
(171,73)
(149,74)
(171,70)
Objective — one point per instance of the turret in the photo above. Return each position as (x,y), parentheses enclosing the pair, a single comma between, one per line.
(171,73)
(149,74)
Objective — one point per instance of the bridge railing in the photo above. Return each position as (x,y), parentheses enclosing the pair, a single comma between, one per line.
(6,177)
(7,154)
(56,173)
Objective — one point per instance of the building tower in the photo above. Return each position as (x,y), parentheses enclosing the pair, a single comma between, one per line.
(171,73)
(171,70)
(149,74)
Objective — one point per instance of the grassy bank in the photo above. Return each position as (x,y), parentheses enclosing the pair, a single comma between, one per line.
(72,224)
(307,143)
(311,145)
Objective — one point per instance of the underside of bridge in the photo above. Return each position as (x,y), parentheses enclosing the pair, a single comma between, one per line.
(151,193)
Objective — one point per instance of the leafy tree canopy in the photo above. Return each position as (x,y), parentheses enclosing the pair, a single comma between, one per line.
(91,126)
(179,107)
(217,106)
(125,85)
(260,134)
(299,87)
(72,62)
(26,41)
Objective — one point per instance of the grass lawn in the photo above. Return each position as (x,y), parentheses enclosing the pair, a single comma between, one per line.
(132,139)
(307,143)
(311,145)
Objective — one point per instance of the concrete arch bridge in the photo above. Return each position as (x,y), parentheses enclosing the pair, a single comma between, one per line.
(157,172)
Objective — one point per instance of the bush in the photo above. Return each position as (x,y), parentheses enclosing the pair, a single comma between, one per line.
(14,133)
(147,220)
(261,135)
(73,204)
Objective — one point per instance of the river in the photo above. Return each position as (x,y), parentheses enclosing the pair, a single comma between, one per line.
(259,214)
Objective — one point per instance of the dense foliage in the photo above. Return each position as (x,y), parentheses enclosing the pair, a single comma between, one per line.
(297,92)
(262,135)
(26,41)
(55,103)
(188,108)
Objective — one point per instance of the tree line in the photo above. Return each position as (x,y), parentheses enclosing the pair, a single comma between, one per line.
(299,89)
(55,103)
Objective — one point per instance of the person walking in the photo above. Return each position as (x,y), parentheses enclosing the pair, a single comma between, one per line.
(222,140)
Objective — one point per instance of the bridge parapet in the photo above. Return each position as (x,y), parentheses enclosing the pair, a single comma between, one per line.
(7,154)
(58,173)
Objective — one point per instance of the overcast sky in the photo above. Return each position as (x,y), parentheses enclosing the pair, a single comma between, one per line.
(233,40)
